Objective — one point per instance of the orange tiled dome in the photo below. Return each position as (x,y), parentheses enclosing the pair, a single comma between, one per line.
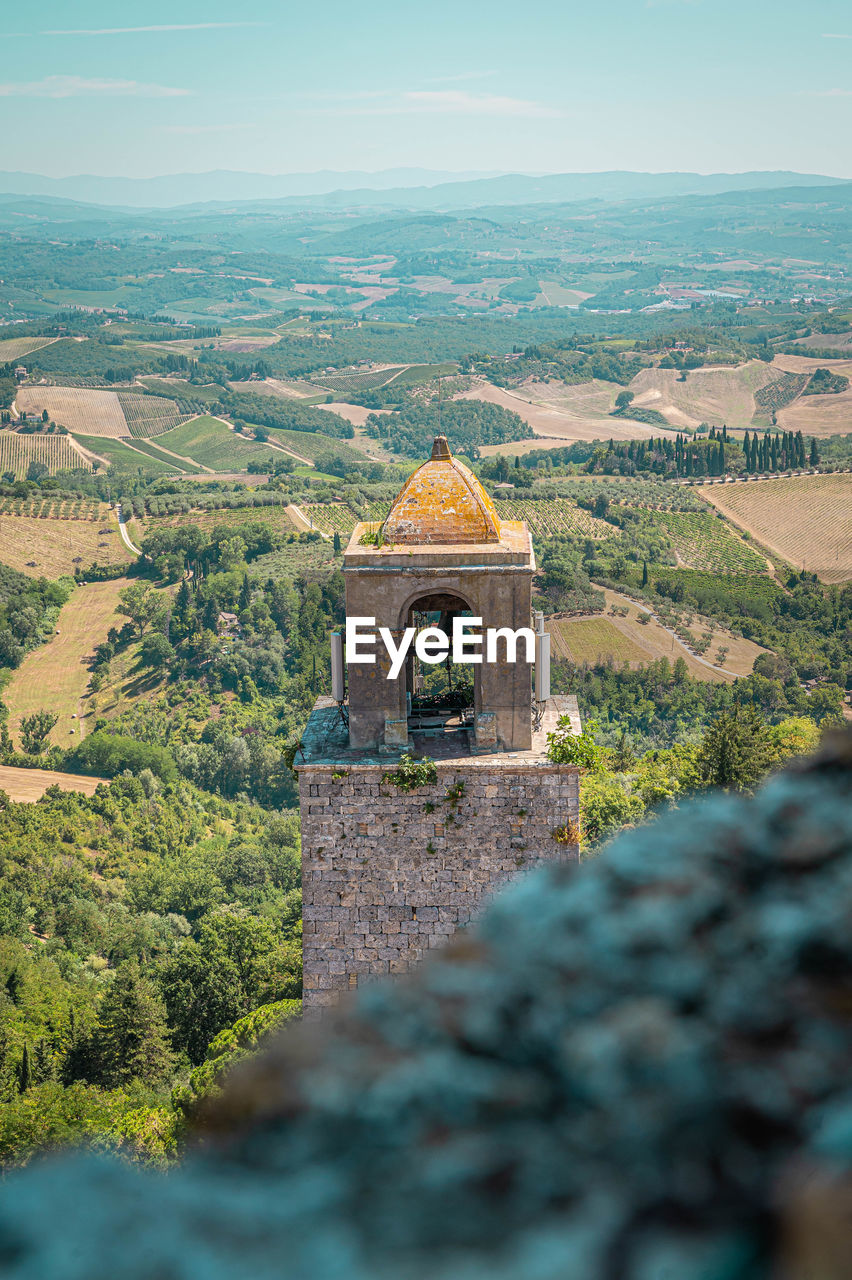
(442,502)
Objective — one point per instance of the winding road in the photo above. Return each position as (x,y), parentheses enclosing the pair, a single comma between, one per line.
(125,536)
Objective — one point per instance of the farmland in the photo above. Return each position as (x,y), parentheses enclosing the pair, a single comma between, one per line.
(288,388)
(595,640)
(25,786)
(560,413)
(310,444)
(276,517)
(704,542)
(95,412)
(142,454)
(807,520)
(330,517)
(818,415)
(17,451)
(55,507)
(620,635)
(16,348)
(150,415)
(56,675)
(716,396)
(559,515)
(357,380)
(49,546)
(119,454)
(211,443)
(314,559)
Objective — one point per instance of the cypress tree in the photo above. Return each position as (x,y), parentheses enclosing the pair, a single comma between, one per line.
(131,1041)
(800,449)
(814,458)
(25,1073)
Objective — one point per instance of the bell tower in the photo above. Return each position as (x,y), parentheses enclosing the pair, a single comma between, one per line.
(442,553)
(393,864)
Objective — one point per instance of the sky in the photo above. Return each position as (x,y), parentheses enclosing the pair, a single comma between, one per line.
(273,86)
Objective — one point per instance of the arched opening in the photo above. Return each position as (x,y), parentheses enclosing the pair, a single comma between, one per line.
(440,699)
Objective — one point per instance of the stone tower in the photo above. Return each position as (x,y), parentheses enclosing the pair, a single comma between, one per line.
(388,872)
(444,551)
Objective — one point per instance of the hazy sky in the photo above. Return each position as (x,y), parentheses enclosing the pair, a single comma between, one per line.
(164,87)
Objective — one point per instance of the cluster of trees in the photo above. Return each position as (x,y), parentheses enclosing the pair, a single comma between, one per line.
(621,787)
(224,632)
(114,984)
(578,358)
(660,704)
(28,608)
(467,423)
(717,455)
(270,411)
(825,383)
(8,386)
(778,453)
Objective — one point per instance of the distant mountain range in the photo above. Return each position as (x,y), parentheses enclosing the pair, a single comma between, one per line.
(228,185)
(416,189)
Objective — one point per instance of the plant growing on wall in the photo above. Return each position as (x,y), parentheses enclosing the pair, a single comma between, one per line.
(566,747)
(412,773)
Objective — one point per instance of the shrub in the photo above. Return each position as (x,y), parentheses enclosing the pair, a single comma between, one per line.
(110,754)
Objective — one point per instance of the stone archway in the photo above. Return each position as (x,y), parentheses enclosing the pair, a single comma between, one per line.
(431,705)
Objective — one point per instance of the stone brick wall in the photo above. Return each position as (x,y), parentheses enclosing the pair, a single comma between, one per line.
(388,874)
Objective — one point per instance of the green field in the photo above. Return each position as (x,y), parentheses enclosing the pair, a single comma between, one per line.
(151,451)
(148,415)
(56,674)
(119,455)
(311,443)
(594,640)
(210,443)
(124,295)
(210,518)
(703,541)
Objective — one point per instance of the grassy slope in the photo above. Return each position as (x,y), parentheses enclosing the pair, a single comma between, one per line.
(311,443)
(54,544)
(119,455)
(212,444)
(588,644)
(16,348)
(56,675)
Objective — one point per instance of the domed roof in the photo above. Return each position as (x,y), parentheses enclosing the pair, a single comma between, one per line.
(442,502)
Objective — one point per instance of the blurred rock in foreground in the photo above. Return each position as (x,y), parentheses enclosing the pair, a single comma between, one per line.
(638,1070)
